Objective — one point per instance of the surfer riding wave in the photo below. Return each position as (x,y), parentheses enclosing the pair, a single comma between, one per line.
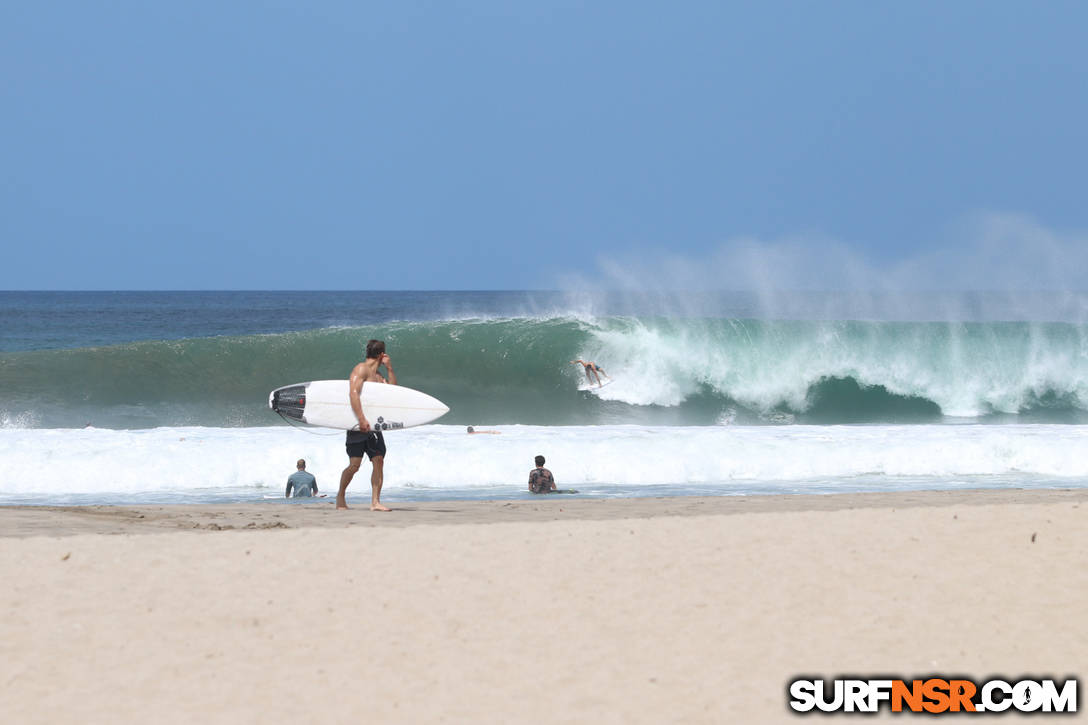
(593,370)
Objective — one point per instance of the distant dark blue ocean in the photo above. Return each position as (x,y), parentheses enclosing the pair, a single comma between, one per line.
(124,396)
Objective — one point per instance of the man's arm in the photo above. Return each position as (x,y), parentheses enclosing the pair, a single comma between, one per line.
(287,493)
(314,484)
(356,387)
(388,362)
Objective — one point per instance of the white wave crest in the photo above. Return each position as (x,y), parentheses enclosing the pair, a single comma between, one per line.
(968,370)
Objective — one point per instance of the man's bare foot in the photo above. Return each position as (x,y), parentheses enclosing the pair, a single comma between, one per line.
(378,507)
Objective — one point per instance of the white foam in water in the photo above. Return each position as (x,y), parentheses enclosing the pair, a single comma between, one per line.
(24,419)
(178,462)
(967,373)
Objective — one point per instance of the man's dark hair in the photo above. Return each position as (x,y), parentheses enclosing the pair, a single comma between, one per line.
(539,461)
(375,349)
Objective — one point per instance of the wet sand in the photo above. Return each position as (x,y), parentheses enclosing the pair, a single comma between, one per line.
(549,610)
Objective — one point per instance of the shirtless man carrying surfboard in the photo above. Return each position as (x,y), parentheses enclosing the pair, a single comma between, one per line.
(366,441)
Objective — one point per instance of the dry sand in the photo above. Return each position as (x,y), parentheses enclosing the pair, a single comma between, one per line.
(554,610)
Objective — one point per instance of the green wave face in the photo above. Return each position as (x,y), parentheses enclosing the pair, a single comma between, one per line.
(507,371)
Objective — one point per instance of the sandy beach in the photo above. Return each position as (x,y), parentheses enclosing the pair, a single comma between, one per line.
(550,610)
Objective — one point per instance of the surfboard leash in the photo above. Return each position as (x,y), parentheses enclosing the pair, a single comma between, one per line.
(302,428)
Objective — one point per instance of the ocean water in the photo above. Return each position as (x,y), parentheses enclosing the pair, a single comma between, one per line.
(132,397)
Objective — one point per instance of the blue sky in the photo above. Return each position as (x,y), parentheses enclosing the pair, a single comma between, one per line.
(499,145)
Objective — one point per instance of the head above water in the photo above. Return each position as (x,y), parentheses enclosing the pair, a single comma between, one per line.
(471,429)
(375,349)
(301,465)
(539,461)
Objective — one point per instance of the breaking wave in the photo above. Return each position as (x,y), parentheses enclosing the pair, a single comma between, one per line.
(666,371)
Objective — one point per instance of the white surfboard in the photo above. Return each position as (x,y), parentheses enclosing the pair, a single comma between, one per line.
(586,385)
(325,403)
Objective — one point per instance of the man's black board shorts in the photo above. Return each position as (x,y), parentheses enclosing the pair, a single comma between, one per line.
(371,444)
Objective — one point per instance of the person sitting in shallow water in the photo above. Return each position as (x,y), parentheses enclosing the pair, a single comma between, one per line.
(301,483)
(541,479)
(591,367)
